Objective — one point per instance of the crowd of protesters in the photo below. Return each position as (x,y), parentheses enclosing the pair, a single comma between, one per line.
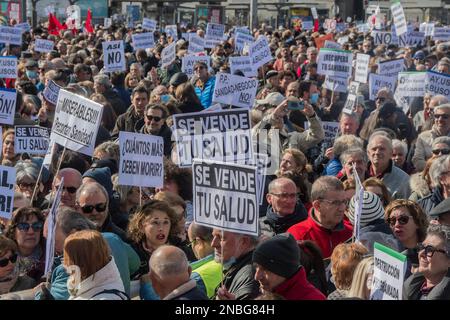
(116,233)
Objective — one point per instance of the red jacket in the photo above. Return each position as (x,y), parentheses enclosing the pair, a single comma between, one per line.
(298,288)
(326,239)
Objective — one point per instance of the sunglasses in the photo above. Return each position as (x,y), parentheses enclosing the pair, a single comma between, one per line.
(429,250)
(68,189)
(23,226)
(441,151)
(443,116)
(99,207)
(199,68)
(150,118)
(5,262)
(23,185)
(402,220)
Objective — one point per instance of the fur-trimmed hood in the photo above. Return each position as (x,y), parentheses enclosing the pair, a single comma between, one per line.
(419,185)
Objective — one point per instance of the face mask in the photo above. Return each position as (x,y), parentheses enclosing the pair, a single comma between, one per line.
(314,98)
(31,74)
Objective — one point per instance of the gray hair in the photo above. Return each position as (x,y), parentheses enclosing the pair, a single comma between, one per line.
(439,140)
(103,79)
(92,187)
(439,166)
(274,183)
(167,265)
(444,107)
(351,152)
(353,116)
(70,221)
(26,169)
(438,100)
(380,134)
(324,184)
(110,148)
(345,142)
(442,232)
(398,143)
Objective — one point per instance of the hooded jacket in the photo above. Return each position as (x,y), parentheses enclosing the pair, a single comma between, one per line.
(273,224)
(298,288)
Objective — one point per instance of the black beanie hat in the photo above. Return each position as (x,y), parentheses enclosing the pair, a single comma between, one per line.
(279,254)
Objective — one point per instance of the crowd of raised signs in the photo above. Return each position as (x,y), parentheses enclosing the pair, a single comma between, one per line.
(226,164)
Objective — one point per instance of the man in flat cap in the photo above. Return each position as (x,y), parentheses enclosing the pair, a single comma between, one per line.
(441,213)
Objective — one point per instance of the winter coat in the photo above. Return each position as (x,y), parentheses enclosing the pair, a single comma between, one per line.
(432,200)
(119,106)
(273,224)
(333,167)
(423,150)
(412,288)
(298,288)
(396,181)
(419,187)
(126,122)
(94,287)
(187,107)
(187,291)
(165,132)
(109,226)
(205,94)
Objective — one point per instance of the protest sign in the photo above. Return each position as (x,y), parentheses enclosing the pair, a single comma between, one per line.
(320,41)
(225,196)
(333,62)
(241,39)
(350,103)
(76,122)
(389,269)
(8,178)
(307,25)
(337,84)
(411,39)
(411,84)
(143,40)
(332,45)
(359,195)
(243,29)
(384,37)
(107,22)
(343,40)
(437,83)
(243,63)
(330,129)
(196,44)
(11,35)
(235,90)
(42,45)
(148,24)
(51,92)
(218,135)
(391,67)
(362,67)
(399,18)
(172,31)
(215,31)
(8,67)
(31,139)
(314,13)
(378,81)
(114,56)
(329,24)
(341,26)
(51,228)
(261,162)
(25,26)
(141,160)
(428,28)
(260,52)
(168,55)
(212,43)
(187,63)
(442,34)
(363,28)
(7,105)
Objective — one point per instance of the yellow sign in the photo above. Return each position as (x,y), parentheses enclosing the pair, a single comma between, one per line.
(300,12)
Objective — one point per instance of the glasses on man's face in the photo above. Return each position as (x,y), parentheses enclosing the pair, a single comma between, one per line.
(441,115)
(441,151)
(36,226)
(151,118)
(429,250)
(402,220)
(4,262)
(381,99)
(336,203)
(99,207)
(24,185)
(68,189)
(198,68)
(193,242)
(285,196)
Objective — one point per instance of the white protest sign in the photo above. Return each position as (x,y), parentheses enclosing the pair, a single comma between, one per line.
(51,227)
(261,162)
(241,39)
(314,13)
(31,140)
(243,63)
(8,67)
(212,43)
(25,26)
(384,37)
(42,45)
(399,18)
(411,84)
(343,40)
(141,160)
(389,269)
(51,92)
(220,135)
(341,26)
(333,62)
(114,56)
(307,25)
(359,195)
(143,40)
(260,52)
(332,45)
(196,44)
(350,103)
(411,39)
(225,196)
(8,178)
(363,28)
(11,35)
(187,63)
(76,122)
(429,29)
(362,67)
(437,83)
(391,67)
(378,81)
(172,31)
(168,55)
(337,84)
(442,34)
(235,90)
(215,31)
(243,29)
(7,105)
(148,24)
(107,22)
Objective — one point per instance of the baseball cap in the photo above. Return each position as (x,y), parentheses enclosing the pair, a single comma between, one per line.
(273,98)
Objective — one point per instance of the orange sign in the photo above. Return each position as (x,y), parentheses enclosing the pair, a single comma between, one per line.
(320,41)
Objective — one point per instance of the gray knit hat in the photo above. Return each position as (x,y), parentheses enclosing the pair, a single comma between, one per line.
(372,209)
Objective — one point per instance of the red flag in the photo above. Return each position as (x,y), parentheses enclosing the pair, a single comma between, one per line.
(54,26)
(88,25)
(316,25)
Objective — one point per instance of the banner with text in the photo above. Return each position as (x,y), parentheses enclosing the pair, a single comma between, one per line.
(244,64)
(42,45)
(8,178)
(391,67)
(143,40)
(148,24)
(235,90)
(168,55)
(335,63)
(260,52)
(196,44)
(187,63)
(378,81)
(114,56)
(411,84)
(11,35)
(31,139)
(362,67)
(51,92)
(7,105)
(8,67)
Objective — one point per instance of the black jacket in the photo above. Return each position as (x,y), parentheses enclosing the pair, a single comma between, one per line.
(126,122)
(119,106)
(432,200)
(187,107)
(165,132)
(273,224)
(412,288)
(109,226)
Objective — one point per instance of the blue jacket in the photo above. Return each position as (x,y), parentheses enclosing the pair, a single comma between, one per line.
(333,167)
(206,94)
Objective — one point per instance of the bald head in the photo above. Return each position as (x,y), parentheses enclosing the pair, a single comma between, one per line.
(168,262)
(280,183)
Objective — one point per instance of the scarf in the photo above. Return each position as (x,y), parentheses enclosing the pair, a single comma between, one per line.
(7,282)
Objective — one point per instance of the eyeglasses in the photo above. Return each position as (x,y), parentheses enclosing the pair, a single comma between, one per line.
(381,99)
(442,115)
(441,151)
(429,250)
(402,220)
(5,262)
(150,118)
(99,207)
(336,203)
(68,189)
(199,68)
(193,242)
(23,185)
(285,196)
(36,226)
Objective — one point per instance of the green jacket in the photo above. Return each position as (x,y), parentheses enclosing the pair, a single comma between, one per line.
(207,273)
